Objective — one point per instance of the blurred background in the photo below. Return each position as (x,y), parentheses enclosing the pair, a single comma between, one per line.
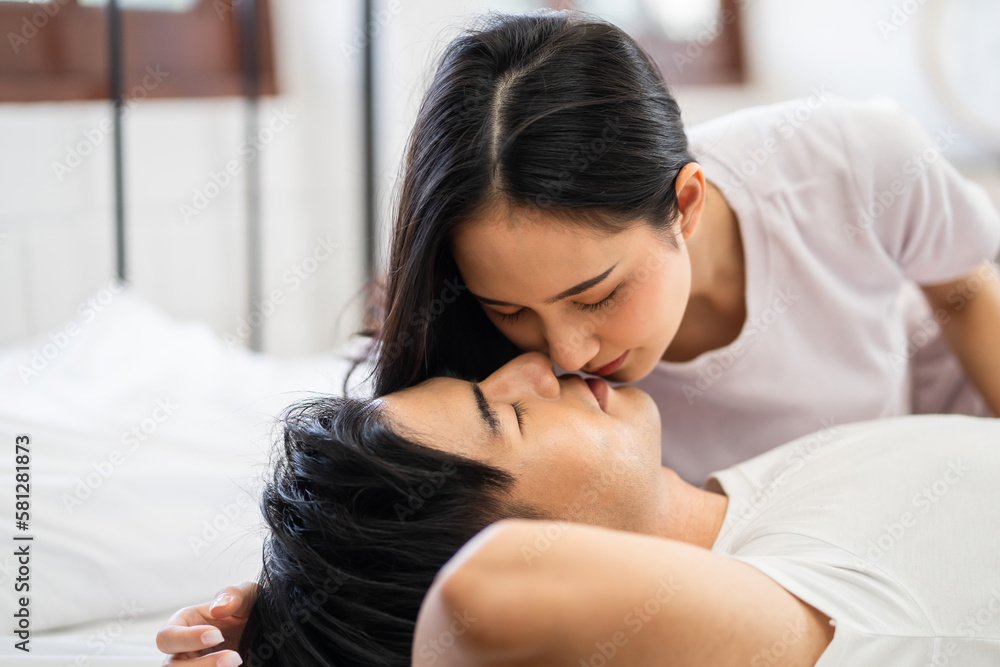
(260,141)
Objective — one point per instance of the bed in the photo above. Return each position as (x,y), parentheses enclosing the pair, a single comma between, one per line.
(149,438)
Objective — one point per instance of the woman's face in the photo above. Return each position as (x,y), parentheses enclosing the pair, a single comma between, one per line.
(607,304)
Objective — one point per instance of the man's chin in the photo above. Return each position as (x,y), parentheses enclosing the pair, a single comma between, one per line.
(641,406)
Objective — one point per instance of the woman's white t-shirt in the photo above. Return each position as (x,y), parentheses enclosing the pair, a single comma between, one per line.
(840,204)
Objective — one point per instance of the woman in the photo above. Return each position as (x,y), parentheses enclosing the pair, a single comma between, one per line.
(746,274)
(749,279)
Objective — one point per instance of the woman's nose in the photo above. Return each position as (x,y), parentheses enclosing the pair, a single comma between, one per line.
(572,347)
(529,373)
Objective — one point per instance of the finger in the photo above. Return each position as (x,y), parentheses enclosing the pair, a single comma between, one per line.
(180,639)
(217,659)
(234,600)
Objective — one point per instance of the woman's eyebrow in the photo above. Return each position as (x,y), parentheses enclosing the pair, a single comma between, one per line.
(486,412)
(572,291)
(582,287)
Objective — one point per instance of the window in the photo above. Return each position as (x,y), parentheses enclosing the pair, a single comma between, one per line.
(58,49)
(692,41)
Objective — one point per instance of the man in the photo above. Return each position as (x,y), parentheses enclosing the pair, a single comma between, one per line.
(866,544)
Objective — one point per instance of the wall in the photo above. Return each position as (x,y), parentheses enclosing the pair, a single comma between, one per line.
(57,244)
(854,48)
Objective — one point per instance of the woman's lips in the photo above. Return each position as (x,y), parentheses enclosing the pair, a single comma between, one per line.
(599,388)
(612,367)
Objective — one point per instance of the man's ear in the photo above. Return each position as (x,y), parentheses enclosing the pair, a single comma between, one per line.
(691,197)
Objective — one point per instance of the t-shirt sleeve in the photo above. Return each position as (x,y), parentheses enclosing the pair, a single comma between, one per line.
(934,223)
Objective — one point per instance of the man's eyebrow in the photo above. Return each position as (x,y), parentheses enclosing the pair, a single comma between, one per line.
(485,411)
(572,291)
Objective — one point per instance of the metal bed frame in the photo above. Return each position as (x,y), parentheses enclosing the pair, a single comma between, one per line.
(245,13)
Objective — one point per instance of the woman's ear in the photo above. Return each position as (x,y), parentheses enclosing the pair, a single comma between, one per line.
(691,197)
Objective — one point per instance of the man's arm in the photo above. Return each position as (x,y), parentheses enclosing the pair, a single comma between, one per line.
(968,310)
(531,593)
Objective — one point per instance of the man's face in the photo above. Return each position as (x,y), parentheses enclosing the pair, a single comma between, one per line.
(583,452)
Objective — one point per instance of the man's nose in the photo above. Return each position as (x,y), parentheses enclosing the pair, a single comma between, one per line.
(529,373)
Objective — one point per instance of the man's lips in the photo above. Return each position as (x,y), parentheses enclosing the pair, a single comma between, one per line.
(600,389)
(608,369)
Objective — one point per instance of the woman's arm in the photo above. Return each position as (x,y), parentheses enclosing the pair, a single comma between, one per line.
(968,310)
(541,593)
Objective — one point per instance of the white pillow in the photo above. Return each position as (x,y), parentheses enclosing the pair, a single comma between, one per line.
(148,441)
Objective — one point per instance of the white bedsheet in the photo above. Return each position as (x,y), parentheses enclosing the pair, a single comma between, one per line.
(149,440)
(94,644)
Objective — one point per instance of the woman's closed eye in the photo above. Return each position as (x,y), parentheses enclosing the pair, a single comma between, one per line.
(603,303)
(509,317)
(586,307)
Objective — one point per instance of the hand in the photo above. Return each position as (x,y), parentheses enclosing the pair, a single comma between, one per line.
(207,635)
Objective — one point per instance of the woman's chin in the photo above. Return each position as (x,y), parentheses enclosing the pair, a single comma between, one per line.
(637,367)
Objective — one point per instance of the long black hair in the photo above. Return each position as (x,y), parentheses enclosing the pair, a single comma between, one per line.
(553,112)
(360,519)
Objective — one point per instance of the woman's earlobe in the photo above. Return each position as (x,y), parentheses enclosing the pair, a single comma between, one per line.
(689,221)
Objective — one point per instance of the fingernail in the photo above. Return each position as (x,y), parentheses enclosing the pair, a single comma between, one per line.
(211,637)
(230,660)
(221,601)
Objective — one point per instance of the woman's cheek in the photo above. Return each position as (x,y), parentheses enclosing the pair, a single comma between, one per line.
(640,308)
(669,291)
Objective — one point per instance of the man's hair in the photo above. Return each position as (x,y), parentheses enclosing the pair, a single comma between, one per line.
(361,519)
